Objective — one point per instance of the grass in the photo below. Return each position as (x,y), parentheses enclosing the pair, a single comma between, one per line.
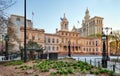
(13,63)
(61,67)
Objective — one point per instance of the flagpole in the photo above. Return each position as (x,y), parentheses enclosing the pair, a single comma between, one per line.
(32,16)
(25,54)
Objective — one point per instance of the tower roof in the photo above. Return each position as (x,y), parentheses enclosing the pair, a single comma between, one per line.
(87,11)
(64,17)
(74,29)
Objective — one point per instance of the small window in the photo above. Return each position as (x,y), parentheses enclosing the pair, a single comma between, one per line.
(84,49)
(57,48)
(53,48)
(33,37)
(17,19)
(89,43)
(96,49)
(96,43)
(53,40)
(48,40)
(89,49)
(57,40)
(49,48)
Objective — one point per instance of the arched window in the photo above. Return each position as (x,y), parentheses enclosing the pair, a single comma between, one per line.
(65,26)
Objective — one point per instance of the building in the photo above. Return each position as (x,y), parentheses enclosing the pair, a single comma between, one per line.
(91,26)
(58,42)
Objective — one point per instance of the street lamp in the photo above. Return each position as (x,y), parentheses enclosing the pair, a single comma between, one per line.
(104,54)
(107,35)
(2,43)
(6,38)
(69,51)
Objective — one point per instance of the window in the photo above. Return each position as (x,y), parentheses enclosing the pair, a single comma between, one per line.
(33,37)
(17,19)
(84,49)
(53,40)
(89,43)
(57,41)
(89,49)
(62,33)
(96,49)
(48,40)
(53,48)
(65,26)
(49,48)
(93,42)
(96,43)
(66,34)
(57,48)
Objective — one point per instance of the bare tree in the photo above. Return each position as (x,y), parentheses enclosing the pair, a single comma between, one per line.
(116,38)
(4,5)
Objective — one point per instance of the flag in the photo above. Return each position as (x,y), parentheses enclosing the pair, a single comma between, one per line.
(33,13)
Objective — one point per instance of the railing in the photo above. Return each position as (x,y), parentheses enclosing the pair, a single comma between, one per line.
(115,67)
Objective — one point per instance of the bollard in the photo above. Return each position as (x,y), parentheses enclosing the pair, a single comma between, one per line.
(78,58)
(113,67)
(90,61)
(98,64)
(95,62)
(85,59)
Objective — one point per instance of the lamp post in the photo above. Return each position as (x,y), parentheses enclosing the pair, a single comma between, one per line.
(25,54)
(2,43)
(104,54)
(69,50)
(107,44)
(6,43)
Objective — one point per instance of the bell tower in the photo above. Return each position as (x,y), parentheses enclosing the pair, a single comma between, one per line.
(87,16)
(64,23)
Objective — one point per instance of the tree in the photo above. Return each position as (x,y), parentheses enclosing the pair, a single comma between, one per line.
(116,37)
(39,50)
(33,47)
(4,5)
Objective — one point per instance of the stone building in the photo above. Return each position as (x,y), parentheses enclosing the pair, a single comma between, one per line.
(15,22)
(58,42)
(91,26)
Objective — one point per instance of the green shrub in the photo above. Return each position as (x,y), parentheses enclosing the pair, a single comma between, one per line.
(18,62)
(53,74)
(84,71)
(111,73)
(70,70)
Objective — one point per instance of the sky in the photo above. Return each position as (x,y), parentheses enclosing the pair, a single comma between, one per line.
(47,13)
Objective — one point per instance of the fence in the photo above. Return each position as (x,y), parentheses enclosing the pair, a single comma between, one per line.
(115,67)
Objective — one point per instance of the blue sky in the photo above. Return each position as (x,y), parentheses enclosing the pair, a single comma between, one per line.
(47,13)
